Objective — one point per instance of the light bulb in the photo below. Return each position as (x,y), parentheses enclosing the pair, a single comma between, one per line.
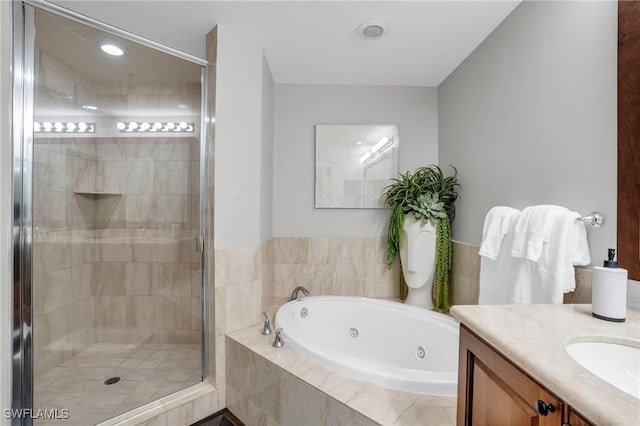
(111,49)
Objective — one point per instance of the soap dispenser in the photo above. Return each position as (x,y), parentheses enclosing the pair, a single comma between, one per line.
(609,291)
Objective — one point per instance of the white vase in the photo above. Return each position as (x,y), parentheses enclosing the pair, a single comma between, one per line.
(418,258)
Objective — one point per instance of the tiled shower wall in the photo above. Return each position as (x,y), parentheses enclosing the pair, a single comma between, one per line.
(147,271)
(114,223)
(63,251)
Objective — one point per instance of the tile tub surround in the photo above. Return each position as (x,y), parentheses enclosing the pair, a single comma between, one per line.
(273,386)
(335,266)
(533,337)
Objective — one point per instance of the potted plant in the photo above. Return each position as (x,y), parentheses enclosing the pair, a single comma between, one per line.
(428,196)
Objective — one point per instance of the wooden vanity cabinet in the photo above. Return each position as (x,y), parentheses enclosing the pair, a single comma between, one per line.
(576,419)
(494,392)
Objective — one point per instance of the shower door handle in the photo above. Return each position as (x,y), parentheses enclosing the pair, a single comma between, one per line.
(200,243)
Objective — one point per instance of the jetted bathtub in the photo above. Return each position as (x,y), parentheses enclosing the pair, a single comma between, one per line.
(387,343)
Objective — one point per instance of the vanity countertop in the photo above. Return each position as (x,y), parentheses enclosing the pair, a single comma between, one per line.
(534,337)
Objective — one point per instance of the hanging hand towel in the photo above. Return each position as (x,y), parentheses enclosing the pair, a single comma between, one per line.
(546,280)
(496,225)
(495,252)
(532,231)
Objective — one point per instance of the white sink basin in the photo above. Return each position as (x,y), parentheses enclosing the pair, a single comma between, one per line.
(615,363)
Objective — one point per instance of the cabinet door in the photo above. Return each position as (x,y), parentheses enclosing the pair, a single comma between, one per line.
(576,419)
(493,392)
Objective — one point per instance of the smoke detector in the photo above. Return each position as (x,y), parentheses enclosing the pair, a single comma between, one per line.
(373,29)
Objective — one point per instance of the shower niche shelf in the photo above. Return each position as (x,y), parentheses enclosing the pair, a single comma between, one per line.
(92,193)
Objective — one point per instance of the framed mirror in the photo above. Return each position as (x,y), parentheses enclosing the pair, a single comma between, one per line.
(354,163)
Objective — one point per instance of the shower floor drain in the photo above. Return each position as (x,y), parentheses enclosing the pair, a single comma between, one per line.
(112,380)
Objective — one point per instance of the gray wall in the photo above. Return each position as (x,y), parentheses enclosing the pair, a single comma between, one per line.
(297,108)
(242,139)
(266,172)
(530,117)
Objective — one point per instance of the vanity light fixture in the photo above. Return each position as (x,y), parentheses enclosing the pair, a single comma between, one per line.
(90,107)
(154,127)
(366,157)
(64,127)
(381,145)
(374,28)
(111,49)
(377,150)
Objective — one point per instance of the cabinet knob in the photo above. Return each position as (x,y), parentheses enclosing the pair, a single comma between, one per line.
(544,408)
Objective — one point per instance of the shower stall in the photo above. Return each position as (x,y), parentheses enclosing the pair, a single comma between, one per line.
(108,218)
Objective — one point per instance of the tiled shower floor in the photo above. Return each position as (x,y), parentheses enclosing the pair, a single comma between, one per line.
(147,372)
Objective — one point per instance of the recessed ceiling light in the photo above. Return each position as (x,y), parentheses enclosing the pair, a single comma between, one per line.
(373,29)
(111,49)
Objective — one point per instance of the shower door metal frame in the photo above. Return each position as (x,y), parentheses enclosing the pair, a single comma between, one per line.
(22,188)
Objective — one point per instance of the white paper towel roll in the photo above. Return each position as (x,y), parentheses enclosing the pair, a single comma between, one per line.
(609,293)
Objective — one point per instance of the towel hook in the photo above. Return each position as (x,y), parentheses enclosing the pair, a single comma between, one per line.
(595,219)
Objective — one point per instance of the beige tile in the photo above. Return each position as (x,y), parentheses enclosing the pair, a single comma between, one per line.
(174,151)
(141,279)
(172,209)
(140,177)
(244,265)
(177,250)
(111,311)
(141,209)
(242,305)
(351,281)
(173,177)
(582,293)
(110,278)
(221,266)
(290,250)
(175,279)
(422,412)
(54,290)
(174,313)
(110,176)
(385,405)
(319,249)
(83,251)
(82,282)
(142,311)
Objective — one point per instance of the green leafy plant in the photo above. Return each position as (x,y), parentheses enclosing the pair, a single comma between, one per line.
(429,196)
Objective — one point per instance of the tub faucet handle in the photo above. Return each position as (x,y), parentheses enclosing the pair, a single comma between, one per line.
(278,342)
(266,329)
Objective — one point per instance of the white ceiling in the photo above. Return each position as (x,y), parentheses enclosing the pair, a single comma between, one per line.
(315,42)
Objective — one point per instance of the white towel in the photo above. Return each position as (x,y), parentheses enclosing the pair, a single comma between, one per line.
(552,275)
(496,225)
(495,252)
(533,230)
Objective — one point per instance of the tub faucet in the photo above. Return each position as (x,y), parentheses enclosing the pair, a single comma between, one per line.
(294,294)
(278,343)
(266,329)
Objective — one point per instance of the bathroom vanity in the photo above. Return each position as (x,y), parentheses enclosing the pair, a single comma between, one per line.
(514,367)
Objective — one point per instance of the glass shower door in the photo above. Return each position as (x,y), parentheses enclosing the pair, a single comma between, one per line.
(116,277)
